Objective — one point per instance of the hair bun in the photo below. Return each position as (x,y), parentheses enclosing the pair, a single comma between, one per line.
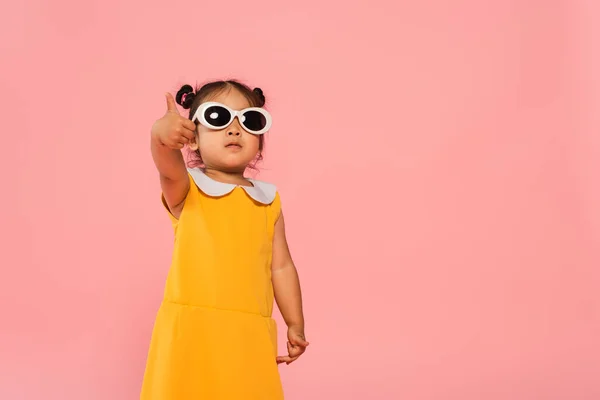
(259,93)
(185,96)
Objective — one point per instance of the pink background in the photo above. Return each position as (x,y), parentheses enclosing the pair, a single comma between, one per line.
(439,164)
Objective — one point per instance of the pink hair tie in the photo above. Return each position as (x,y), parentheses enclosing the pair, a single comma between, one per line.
(183,96)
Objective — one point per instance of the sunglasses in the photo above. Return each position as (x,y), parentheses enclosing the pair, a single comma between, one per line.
(254,120)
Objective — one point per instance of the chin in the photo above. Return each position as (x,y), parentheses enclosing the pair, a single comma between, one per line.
(234,165)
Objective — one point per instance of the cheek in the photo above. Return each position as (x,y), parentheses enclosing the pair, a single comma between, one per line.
(206,137)
(253,143)
(201,131)
(207,144)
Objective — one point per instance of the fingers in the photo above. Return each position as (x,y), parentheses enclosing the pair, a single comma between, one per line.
(177,141)
(286,359)
(188,124)
(187,134)
(181,131)
(176,145)
(171,105)
(174,130)
(185,127)
(295,351)
(298,341)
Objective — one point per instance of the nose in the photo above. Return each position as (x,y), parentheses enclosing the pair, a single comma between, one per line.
(234,129)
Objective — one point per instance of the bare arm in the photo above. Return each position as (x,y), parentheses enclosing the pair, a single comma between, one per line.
(169,135)
(286,282)
(174,181)
(286,286)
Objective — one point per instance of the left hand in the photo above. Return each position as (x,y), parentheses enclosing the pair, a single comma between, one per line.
(296,345)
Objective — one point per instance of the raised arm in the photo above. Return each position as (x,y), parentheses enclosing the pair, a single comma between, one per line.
(169,135)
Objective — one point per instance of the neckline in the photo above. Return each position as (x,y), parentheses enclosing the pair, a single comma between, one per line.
(249,180)
(262,192)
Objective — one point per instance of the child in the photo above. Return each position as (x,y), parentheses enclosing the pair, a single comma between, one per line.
(214,337)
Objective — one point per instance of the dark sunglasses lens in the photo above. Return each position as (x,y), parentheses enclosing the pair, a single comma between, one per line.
(254,121)
(217,116)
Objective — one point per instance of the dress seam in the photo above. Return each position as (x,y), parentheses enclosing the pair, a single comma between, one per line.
(216,308)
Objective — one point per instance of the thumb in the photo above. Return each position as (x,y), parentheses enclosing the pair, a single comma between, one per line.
(171,106)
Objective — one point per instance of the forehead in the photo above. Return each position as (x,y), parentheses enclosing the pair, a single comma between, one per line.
(231,97)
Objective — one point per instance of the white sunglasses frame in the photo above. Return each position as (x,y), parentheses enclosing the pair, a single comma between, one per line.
(199,116)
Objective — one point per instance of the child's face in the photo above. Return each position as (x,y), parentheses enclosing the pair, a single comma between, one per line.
(230,149)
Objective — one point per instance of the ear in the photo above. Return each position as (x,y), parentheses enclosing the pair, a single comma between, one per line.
(193,144)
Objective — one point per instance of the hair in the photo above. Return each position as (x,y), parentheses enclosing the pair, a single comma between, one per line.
(191,99)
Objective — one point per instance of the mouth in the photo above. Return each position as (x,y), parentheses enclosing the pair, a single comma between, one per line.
(234,146)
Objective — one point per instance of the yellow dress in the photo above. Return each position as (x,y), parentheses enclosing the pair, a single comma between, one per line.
(214,337)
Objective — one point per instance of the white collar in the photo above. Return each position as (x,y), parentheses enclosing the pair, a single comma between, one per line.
(262,192)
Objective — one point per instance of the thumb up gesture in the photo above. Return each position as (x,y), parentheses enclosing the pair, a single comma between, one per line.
(173,130)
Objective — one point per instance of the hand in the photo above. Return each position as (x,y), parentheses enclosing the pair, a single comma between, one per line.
(296,345)
(173,130)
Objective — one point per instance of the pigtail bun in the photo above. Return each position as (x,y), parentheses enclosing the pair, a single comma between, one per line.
(185,96)
(260,96)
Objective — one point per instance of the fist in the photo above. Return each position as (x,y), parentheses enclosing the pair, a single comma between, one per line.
(296,345)
(173,130)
